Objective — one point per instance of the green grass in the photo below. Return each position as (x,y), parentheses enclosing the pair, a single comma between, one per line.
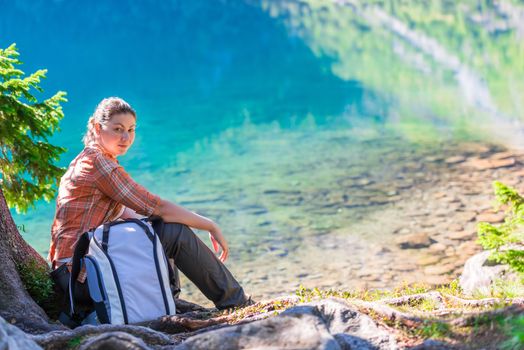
(514,328)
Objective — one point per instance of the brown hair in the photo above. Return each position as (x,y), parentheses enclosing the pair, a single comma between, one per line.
(107,108)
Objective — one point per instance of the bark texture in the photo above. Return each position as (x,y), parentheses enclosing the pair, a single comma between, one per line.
(16,305)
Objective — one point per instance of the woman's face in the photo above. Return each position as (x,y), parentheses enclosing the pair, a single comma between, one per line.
(118,134)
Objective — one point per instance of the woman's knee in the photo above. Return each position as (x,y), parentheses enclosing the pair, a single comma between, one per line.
(174,233)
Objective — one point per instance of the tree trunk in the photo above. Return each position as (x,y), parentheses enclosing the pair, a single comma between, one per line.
(16,305)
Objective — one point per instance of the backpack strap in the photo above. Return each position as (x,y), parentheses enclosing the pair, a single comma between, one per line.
(158,225)
(139,222)
(105,236)
(81,247)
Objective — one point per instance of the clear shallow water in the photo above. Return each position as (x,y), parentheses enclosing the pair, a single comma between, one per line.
(279,119)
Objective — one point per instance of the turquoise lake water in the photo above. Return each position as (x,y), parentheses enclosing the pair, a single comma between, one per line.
(256,112)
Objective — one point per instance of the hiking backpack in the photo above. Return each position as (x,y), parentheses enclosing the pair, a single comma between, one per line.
(128,275)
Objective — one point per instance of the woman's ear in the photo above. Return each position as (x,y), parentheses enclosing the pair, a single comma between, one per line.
(97,128)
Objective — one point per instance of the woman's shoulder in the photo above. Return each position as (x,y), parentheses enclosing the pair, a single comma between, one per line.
(92,158)
(95,152)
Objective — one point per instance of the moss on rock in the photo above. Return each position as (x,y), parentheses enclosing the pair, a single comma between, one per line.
(38,283)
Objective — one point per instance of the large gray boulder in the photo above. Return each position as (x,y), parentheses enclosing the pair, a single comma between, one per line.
(352,329)
(480,273)
(326,324)
(12,338)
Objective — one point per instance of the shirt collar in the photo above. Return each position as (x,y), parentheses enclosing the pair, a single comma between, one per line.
(103,150)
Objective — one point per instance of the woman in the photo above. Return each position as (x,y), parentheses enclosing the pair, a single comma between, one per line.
(95,189)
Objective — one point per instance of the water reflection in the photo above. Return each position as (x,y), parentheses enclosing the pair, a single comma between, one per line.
(443,62)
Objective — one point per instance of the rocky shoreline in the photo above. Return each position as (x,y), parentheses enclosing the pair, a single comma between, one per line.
(434,320)
(416,223)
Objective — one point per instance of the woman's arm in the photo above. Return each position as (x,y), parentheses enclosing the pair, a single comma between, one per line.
(114,182)
(130,213)
(171,212)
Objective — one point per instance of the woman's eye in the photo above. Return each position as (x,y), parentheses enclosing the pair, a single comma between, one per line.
(118,129)
(131,130)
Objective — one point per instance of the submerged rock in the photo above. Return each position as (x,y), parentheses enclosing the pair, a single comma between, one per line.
(490,217)
(485,164)
(462,235)
(414,241)
(455,159)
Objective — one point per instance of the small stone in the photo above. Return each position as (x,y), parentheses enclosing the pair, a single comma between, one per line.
(474,147)
(403,267)
(450,261)
(450,251)
(454,227)
(440,195)
(378,200)
(363,182)
(519,173)
(471,191)
(465,216)
(438,269)
(363,273)
(468,248)
(512,182)
(461,235)
(404,185)
(432,159)
(437,248)
(428,260)
(402,231)
(453,200)
(455,160)
(441,213)
(502,163)
(427,223)
(491,218)
(502,155)
(264,223)
(437,280)
(414,241)
(371,278)
(485,164)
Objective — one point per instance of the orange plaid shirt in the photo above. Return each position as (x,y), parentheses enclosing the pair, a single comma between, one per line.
(94,190)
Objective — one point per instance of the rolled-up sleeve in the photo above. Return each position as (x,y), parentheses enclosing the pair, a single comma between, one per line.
(114,182)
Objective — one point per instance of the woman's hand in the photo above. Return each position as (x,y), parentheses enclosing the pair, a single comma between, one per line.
(218,241)
(172,212)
